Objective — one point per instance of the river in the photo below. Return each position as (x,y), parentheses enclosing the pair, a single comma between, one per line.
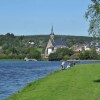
(14,75)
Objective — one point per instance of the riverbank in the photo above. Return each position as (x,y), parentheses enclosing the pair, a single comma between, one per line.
(81,82)
(11,60)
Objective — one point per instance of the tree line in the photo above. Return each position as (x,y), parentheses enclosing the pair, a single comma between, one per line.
(66,54)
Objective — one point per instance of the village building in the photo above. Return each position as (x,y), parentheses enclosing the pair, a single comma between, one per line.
(93,44)
(87,47)
(78,48)
(31,42)
(53,44)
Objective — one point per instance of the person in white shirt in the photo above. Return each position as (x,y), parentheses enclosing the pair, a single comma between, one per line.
(62,65)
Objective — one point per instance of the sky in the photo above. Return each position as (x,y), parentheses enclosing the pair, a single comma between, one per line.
(36,17)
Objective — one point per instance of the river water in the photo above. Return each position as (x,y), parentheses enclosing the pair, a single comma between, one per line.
(14,75)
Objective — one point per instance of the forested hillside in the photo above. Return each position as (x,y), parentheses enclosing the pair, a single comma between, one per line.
(18,47)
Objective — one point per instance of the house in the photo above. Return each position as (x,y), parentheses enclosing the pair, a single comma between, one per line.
(93,44)
(98,48)
(31,42)
(78,47)
(53,44)
(87,47)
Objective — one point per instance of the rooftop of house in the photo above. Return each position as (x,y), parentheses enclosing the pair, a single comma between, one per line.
(58,42)
(31,41)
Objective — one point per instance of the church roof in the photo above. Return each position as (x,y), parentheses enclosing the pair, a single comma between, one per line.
(58,42)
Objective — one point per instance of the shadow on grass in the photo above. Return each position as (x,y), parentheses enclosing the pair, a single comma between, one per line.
(97,81)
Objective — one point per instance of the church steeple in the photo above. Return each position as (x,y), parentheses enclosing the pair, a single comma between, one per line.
(52,30)
(52,33)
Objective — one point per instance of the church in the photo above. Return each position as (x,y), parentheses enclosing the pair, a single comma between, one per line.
(53,44)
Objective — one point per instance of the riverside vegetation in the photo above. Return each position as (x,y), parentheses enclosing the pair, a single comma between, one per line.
(18,47)
(81,82)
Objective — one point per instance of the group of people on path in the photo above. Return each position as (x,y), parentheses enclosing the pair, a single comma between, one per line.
(63,65)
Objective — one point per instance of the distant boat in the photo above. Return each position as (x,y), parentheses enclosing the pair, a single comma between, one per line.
(26,59)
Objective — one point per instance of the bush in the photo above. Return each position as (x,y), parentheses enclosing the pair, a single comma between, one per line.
(61,53)
(89,55)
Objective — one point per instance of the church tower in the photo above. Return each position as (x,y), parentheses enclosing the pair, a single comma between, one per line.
(52,33)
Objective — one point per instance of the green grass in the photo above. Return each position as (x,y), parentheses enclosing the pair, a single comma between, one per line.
(81,82)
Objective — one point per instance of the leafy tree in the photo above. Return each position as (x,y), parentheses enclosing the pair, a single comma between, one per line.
(98,57)
(93,54)
(33,53)
(93,14)
(10,35)
(61,53)
(89,55)
(53,57)
(66,57)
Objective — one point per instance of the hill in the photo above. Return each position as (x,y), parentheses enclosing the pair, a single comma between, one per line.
(18,47)
(11,39)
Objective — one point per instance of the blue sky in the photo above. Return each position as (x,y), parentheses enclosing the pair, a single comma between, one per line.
(35,17)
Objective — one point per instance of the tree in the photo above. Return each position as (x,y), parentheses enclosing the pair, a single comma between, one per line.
(93,53)
(61,53)
(93,14)
(53,57)
(89,55)
(33,53)
(10,35)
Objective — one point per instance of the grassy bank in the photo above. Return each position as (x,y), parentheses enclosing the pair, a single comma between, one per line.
(81,82)
(11,60)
